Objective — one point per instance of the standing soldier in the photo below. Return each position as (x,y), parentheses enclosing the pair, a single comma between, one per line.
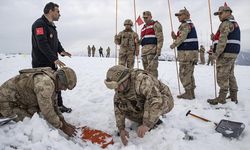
(226,49)
(151,41)
(202,55)
(101,51)
(139,97)
(128,40)
(35,90)
(187,46)
(210,52)
(108,52)
(89,51)
(93,51)
(46,45)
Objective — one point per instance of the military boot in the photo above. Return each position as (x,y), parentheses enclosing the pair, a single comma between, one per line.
(233,96)
(187,95)
(220,99)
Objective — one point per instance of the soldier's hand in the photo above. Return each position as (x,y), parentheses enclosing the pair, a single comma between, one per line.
(172,46)
(124,135)
(158,52)
(68,129)
(59,63)
(64,53)
(142,130)
(173,35)
(212,36)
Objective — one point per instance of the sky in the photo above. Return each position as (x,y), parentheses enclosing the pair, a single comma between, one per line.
(85,22)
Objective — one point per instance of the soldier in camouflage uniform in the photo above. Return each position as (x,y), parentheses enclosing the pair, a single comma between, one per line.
(210,52)
(128,41)
(226,49)
(93,51)
(187,49)
(139,97)
(202,55)
(89,51)
(151,41)
(108,52)
(35,90)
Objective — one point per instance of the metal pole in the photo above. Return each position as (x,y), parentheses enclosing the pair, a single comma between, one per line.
(137,59)
(177,71)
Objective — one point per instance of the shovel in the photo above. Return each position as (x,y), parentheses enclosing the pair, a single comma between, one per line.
(227,128)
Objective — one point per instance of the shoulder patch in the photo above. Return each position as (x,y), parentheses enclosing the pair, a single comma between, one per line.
(40,31)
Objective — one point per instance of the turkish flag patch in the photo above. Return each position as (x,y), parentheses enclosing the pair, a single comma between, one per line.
(39,31)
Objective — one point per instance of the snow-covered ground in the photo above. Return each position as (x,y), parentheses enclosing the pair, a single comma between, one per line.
(92,105)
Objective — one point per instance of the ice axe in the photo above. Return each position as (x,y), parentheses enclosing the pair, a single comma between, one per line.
(227,128)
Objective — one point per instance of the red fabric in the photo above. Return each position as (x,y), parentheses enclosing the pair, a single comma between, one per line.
(39,31)
(97,136)
(148,29)
(139,21)
(216,36)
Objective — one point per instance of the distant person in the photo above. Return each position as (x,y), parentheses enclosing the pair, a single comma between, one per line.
(139,97)
(226,49)
(93,51)
(127,40)
(35,91)
(210,52)
(108,52)
(187,49)
(151,41)
(202,55)
(46,45)
(101,51)
(89,51)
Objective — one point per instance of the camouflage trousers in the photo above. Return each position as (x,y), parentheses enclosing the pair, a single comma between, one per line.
(210,60)
(168,104)
(202,58)
(186,74)
(126,58)
(9,105)
(150,63)
(225,74)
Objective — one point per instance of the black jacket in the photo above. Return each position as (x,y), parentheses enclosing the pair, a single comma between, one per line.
(45,44)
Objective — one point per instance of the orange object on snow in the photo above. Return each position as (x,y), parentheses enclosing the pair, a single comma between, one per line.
(97,136)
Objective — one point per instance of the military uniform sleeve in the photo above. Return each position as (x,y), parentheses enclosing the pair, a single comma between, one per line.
(184,29)
(159,35)
(119,115)
(44,89)
(40,34)
(153,103)
(225,28)
(137,43)
(118,38)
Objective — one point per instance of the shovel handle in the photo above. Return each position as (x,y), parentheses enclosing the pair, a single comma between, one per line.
(201,118)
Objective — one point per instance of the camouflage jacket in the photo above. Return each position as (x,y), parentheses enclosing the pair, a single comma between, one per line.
(184,56)
(127,39)
(152,49)
(143,102)
(34,92)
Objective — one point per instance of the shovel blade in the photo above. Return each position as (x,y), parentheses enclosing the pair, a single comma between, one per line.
(230,129)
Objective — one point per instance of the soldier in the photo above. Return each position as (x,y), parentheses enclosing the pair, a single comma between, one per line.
(139,97)
(226,49)
(202,55)
(93,51)
(187,48)
(151,41)
(35,90)
(210,52)
(89,51)
(101,51)
(128,41)
(108,52)
(46,45)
